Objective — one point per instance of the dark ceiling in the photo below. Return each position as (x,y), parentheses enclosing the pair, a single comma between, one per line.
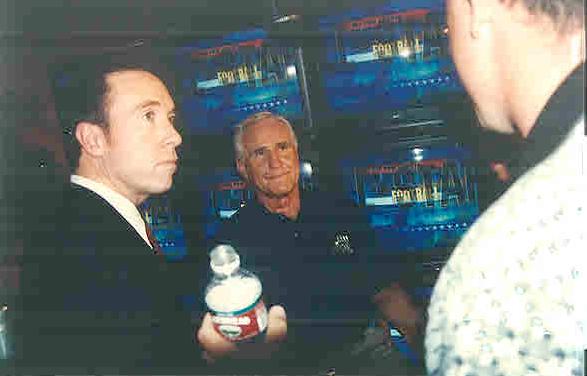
(82,18)
(56,28)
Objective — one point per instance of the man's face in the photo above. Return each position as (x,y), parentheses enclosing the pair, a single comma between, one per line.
(270,159)
(140,157)
(476,54)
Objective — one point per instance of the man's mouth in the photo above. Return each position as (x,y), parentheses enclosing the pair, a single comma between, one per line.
(171,164)
(170,161)
(276,176)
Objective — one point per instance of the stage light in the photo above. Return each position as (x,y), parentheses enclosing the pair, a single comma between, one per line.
(286,18)
(291,70)
(405,52)
(306,169)
(417,154)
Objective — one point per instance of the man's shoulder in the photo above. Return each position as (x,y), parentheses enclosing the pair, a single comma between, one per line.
(247,216)
(330,204)
(80,203)
(89,219)
(67,210)
(80,195)
(533,224)
(252,230)
(249,211)
(531,216)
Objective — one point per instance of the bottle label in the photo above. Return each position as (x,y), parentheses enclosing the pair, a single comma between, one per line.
(242,324)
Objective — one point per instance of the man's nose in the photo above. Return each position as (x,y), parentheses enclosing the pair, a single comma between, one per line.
(173,137)
(274,159)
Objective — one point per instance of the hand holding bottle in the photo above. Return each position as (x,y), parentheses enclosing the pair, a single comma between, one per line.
(237,311)
(216,346)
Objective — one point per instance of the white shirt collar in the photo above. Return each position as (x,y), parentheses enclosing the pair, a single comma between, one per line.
(122,205)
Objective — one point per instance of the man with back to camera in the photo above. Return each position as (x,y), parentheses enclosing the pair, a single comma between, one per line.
(510,299)
(305,246)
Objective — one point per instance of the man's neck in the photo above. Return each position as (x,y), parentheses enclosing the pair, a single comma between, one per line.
(288,206)
(540,58)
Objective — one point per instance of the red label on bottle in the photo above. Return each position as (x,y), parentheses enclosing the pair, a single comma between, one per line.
(241,324)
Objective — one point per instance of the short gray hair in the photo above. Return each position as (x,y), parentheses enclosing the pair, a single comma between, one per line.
(566,14)
(240,129)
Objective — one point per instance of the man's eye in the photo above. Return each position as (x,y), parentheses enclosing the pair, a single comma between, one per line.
(259,152)
(172,118)
(284,146)
(150,116)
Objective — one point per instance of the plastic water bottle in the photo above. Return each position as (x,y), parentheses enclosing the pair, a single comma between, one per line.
(233,296)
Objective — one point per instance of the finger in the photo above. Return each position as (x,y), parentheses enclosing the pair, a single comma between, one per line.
(390,293)
(209,359)
(213,342)
(276,324)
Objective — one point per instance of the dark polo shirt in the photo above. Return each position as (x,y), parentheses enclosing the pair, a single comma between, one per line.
(313,266)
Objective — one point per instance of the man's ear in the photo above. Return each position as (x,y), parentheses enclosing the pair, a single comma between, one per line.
(481,15)
(242,169)
(91,137)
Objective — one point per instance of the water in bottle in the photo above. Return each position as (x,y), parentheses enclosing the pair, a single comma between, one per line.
(233,296)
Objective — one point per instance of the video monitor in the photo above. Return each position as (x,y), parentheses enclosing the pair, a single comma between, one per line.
(418,198)
(226,79)
(229,196)
(166,224)
(391,57)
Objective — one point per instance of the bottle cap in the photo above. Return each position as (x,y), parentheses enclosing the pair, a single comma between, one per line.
(224,259)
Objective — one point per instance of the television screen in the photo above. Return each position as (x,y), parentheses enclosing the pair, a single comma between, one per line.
(418,198)
(228,196)
(222,193)
(227,79)
(166,224)
(387,58)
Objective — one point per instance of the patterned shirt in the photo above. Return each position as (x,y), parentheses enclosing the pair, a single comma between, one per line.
(510,299)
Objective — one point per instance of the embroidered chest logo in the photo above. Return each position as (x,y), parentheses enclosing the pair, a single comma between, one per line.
(342,244)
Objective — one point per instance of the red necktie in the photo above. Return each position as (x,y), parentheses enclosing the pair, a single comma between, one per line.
(153,240)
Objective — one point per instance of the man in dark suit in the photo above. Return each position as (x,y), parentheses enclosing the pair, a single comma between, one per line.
(97,294)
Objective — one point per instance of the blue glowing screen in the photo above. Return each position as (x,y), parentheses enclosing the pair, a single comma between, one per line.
(417,199)
(387,58)
(229,78)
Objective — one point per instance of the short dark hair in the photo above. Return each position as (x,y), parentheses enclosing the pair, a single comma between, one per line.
(81,95)
(566,14)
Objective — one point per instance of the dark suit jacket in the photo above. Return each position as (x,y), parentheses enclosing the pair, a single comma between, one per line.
(96,298)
